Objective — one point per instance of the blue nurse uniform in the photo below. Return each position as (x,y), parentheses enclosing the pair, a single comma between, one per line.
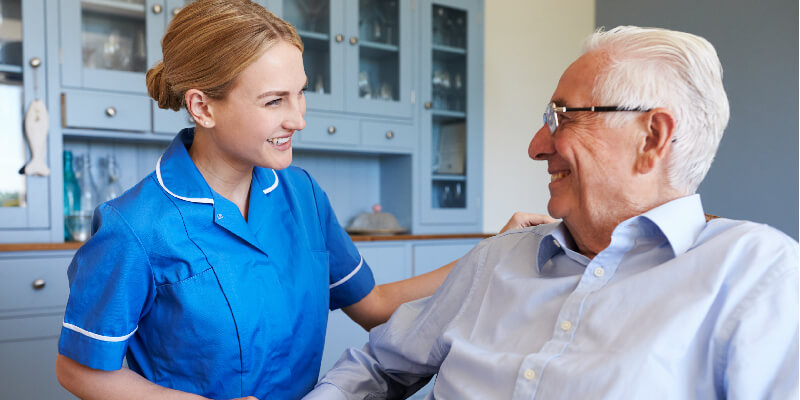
(199,299)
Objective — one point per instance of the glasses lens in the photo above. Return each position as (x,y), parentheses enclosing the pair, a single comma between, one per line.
(550,117)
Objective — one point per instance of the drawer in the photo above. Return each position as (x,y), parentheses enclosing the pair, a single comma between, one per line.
(33,282)
(98,110)
(37,326)
(329,131)
(390,135)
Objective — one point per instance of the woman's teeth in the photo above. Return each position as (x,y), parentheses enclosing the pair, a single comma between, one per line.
(278,141)
(558,175)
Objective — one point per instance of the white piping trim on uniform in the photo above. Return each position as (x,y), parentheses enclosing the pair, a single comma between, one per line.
(99,337)
(274,185)
(350,275)
(189,199)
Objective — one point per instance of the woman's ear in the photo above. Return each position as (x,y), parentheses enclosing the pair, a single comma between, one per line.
(197,103)
(657,141)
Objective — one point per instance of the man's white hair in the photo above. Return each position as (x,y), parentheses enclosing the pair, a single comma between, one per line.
(649,68)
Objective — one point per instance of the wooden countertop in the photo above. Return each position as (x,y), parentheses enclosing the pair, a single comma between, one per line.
(356,238)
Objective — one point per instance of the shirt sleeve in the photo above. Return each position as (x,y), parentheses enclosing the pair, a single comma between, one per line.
(404,353)
(111,287)
(350,276)
(761,353)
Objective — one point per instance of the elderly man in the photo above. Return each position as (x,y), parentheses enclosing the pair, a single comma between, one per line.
(633,295)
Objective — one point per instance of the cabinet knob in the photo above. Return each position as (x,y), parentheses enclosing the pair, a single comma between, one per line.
(38,284)
(339,38)
(36,62)
(353,40)
(390,135)
(111,111)
(157,8)
(428,105)
(176,10)
(331,130)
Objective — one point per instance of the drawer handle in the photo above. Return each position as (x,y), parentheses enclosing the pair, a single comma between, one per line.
(331,130)
(36,62)
(175,11)
(38,284)
(428,105)
(353,40)
(157,9)
(339,38)
(390,135)
(111,111)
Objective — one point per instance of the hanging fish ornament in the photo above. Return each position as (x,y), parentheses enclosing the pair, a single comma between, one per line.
(37,123)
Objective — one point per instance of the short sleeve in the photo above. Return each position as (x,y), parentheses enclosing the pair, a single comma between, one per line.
(111,287)
(350,276)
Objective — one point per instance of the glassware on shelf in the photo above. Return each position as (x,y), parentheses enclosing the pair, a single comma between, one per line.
(364,88)
(79,221)
(112,188)
(72,199)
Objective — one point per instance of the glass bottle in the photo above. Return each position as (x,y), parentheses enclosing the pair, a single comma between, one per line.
(112,188)
(72,194)
(80,223)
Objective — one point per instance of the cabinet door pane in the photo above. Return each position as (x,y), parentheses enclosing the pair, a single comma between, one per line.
(379,50)
(312,18)
(12,153)
(113,35)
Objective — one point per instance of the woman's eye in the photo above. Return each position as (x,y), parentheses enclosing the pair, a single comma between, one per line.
(273,103)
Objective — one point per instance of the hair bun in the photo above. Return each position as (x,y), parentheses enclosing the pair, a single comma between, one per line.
(160,90)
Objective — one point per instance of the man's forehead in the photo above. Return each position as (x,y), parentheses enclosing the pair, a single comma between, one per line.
(576,84)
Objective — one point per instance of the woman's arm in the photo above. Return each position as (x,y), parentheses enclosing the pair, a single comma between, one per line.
(88,383)
(376,307)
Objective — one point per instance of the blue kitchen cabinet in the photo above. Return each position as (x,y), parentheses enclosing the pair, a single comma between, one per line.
(358,54)
(33,295)
(27,212)
(450,182)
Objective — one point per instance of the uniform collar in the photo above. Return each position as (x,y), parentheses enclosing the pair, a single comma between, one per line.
(179,177)
(680,221)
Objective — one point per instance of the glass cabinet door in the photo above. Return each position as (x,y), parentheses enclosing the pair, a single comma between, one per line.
(450,114)
(105,42)
(319,23)
(23,199)
(165,122)
(379,68)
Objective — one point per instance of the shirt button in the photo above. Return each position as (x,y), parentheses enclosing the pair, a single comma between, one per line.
(219,216)
(599,271)
(529,374)
(566,325)
(555,242)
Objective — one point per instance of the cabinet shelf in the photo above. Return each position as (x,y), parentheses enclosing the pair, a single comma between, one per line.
(14,69)
(449,178)
(449,49)
(316,36)
(117,8)
(380,46)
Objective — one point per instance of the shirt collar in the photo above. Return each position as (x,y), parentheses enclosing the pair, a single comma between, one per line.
(680,221)
(180,178)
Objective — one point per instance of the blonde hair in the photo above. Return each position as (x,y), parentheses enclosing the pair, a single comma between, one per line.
(208,44)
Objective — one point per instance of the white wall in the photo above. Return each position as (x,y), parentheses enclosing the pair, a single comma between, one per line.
(528,44)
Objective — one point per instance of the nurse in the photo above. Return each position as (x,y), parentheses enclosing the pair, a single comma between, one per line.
(214,275)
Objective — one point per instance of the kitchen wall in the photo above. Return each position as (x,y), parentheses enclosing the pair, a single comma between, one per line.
(528,44)
(755,174)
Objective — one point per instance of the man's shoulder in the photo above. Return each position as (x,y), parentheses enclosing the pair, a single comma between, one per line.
(741,231)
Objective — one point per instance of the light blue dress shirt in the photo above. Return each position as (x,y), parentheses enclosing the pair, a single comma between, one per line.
(674,308)
(201,300)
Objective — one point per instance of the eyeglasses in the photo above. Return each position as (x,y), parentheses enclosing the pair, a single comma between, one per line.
(550,115)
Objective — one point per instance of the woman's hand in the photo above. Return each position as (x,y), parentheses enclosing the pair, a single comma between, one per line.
(523,220)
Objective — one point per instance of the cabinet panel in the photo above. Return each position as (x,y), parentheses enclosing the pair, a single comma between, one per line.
(429,256)
(29,370)
(388,135)
(84,109)
(389,263)
(32,282)
(329,131)
(25,328)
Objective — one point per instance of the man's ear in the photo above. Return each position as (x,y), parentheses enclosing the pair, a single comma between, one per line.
(658,139)
(197,103)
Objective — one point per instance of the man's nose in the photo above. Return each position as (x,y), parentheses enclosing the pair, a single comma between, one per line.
(541,146)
